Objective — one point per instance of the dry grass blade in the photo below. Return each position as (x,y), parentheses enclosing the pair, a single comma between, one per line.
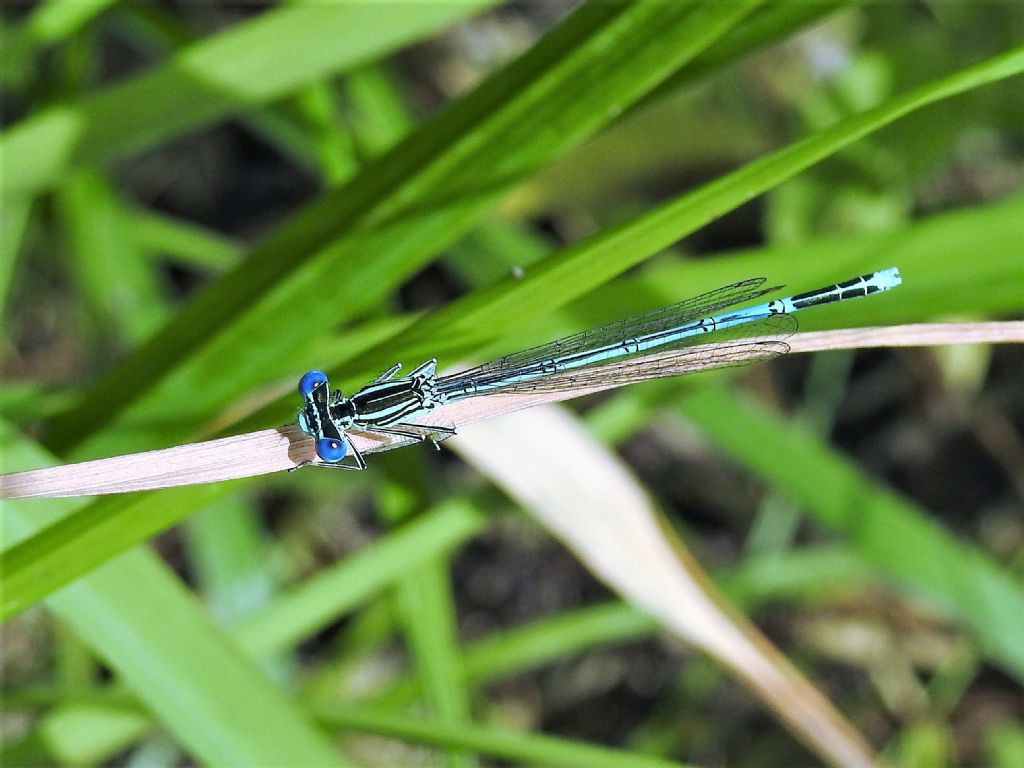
(589,501)
(284,448)
(254,453)
(918,335)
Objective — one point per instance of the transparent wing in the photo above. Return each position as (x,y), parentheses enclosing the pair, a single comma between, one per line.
(689,350)
(759,340)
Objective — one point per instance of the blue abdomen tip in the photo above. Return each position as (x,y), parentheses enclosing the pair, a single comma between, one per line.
(887,278)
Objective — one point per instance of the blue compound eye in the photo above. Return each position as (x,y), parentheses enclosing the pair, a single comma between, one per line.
(311,381)
(331,450)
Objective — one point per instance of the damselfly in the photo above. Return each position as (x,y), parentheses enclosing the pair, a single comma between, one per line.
(694,335)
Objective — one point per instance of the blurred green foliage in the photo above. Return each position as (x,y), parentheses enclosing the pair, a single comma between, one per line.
(201,202)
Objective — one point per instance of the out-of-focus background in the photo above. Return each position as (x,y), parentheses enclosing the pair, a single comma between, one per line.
(203,200)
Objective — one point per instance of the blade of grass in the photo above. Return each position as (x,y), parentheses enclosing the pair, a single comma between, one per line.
(982,241)
(293,616)
(549,640)
(551,283)
(133,305)
(333,146)
(150,630)
(767,24)
(15,217)
(425,608)
(379,117)
(183,241)
(49,23)
(1005,744)
(805,574)
(401,209)
(228,557)
(76,734)
(887,531)
(26,578)
(516,746)
(990,280)
(428,612)
(234,576)
(246,65)
(54,20)
(592,504)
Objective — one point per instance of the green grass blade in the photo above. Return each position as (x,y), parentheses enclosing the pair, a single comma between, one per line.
(427,610)
(1005,744)
(990,280)
(768,24)
(573,272)
(516,746)
(49,23)
(151,631)
(379,118)
(323,131)
(548,640)
(94,532)
(99,244)
(519,747)
(247,65)
(183,241)
(807,573)
(886,530)
(14,218)
(77,734)
(982,242)
(364,238)
(228,557)
(424,609)
(336,590)
(55,20)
